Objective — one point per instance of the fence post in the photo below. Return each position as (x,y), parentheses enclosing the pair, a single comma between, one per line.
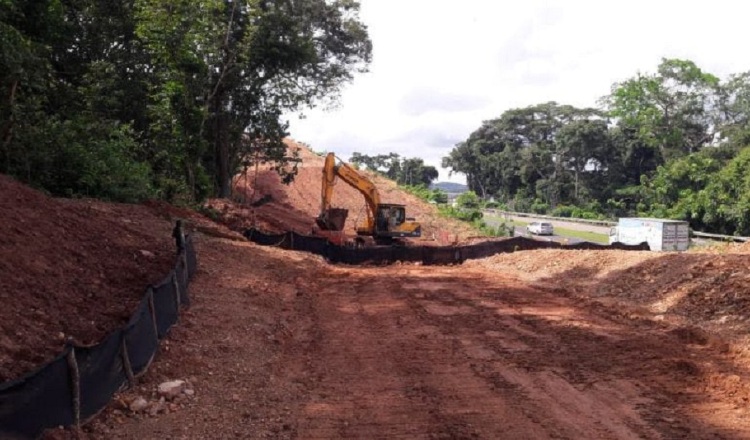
(186,269)
(176,288)
(75,378)
(126,361)
(152,309)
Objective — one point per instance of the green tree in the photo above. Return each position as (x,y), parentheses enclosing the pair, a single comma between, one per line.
(734,104)
(520,151)
(590,157)
(228,70)
(673,191)
(412,171)
(724,205)
(468,200)
(65,125)
(672,110)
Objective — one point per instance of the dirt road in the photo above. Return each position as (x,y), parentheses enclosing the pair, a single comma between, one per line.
(280,345)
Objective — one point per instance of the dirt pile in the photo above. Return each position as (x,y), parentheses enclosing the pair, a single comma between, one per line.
(71,269)
(295,206)
(710,288)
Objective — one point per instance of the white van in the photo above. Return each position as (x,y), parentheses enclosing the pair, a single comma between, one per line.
(540,228)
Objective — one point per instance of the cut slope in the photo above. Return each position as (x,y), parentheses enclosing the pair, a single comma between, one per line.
(70,268)
(294,207)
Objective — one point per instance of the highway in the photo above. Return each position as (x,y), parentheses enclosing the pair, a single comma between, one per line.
(495,220)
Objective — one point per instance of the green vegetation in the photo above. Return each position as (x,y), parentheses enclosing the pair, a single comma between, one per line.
(593,237)
(673,144)
(468,209)
(409,172)
(169,99)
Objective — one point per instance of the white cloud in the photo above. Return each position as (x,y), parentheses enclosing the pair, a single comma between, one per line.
(440,68)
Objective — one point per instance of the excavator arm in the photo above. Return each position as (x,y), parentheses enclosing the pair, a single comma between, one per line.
(327,219)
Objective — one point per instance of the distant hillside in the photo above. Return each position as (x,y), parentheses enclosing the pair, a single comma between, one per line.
(450,187)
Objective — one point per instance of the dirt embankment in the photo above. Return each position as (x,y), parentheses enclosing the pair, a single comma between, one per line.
(73,269)
(294,207)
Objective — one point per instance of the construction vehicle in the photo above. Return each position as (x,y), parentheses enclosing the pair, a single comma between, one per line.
(386,223)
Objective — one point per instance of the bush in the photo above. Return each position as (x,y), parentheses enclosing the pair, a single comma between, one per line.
(84,157)
(563,211)
(539,207)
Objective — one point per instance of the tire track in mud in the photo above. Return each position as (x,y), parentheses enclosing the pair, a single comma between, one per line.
(420,354)
(497,336)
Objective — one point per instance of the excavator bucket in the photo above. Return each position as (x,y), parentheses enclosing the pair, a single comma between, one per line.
(333,219)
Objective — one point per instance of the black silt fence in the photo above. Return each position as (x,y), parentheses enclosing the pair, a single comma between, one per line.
(166,306)
(101,372)
(427,255)
(41,399)
(141,338)
(315,245)
(80,382)
(280,240)
(626,247)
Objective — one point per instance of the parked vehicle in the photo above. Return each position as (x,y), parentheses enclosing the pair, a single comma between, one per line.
(660,234)
(540,228)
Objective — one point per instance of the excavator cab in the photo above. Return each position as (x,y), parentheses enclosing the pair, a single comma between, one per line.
(391,221)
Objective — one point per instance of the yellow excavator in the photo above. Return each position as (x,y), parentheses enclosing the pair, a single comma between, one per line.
(385,223)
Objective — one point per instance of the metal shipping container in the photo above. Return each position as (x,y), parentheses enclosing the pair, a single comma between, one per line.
(660,234)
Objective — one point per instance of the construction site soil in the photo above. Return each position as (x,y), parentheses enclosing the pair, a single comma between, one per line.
(279,344)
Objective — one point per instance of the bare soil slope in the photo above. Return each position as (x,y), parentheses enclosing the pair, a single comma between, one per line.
(73,269)
(295,206)
(709,288)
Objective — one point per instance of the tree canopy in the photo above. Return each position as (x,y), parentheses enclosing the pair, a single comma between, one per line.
(167,99)
(404,171)
(661,144)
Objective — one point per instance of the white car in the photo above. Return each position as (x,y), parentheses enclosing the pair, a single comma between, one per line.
(540,228)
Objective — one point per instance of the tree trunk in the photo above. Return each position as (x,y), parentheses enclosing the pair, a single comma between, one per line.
(221,148)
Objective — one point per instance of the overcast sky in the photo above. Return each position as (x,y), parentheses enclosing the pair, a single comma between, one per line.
(442,67)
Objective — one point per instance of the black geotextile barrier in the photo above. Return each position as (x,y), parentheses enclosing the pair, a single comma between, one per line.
(315,245)
(428,255)
(80,382)
(43,398)
(141,338)
(101,373)
(165,305)
(280,240)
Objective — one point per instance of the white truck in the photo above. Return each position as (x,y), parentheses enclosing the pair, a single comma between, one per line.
(660,234)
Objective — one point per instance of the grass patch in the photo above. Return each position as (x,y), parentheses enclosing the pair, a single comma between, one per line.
(583,235)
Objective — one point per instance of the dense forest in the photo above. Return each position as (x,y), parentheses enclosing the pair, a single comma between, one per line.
(134,99)
(671,144)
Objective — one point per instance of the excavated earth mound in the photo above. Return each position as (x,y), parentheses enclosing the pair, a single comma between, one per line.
(71,269)
(294,207)
(709,287)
